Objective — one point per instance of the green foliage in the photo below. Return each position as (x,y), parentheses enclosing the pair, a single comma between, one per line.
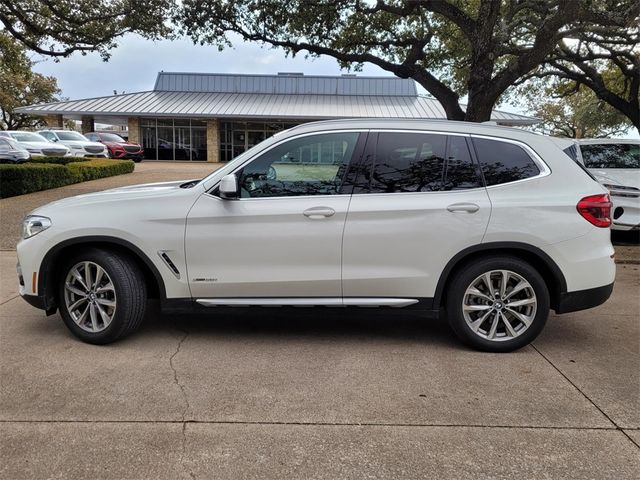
(100,168)
(20,86)
(58,160)
(479,49)
(579,115)
(27,177)
(35,176)
(57,28)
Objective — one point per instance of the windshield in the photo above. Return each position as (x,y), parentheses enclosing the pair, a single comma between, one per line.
(611,155)
(111,137)
(12,143)
(27,137)
(71,136)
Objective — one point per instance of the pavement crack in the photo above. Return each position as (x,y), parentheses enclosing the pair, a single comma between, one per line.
(187,406)
(596,406)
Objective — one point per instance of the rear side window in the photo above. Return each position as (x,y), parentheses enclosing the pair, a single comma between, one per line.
(421,162)
(503,162)
(611,155)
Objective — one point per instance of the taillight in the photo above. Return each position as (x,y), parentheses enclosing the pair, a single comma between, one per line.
(596,209)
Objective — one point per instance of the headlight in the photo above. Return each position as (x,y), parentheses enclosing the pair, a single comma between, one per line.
(34,224)
(77,147)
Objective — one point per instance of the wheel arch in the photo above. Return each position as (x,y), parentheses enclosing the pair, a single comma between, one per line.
(551,273)
(50,265)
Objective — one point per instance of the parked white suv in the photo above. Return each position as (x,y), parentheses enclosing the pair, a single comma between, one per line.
(79,145)
(616,164)
(494,225)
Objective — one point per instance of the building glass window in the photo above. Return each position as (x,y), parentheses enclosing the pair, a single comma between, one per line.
(174,139)
(237,137)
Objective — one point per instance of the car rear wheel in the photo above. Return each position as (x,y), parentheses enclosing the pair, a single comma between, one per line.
(102,296)
(497,304)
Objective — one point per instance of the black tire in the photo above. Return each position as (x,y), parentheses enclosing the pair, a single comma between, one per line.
(130,294)
(463,279)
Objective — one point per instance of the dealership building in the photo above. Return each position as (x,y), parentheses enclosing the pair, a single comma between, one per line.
(215,117)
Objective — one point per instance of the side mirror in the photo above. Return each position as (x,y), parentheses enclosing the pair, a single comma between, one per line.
(229,187)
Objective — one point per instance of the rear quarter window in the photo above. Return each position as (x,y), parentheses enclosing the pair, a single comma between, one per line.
(503,162)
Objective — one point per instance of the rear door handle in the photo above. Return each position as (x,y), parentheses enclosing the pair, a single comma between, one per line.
(463,208)
(319,212)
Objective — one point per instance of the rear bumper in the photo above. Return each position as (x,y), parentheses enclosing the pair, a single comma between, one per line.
(583,299)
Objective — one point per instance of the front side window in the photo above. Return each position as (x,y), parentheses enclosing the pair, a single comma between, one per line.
(611,155)
(503,162)
(311,165)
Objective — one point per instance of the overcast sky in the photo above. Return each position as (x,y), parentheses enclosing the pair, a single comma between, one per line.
(133,66)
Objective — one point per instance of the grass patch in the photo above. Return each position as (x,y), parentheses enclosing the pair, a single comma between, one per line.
(35,176)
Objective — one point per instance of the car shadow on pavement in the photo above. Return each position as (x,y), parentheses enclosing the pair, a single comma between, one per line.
(317,322)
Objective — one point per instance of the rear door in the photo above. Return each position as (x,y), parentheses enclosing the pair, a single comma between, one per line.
(419,200)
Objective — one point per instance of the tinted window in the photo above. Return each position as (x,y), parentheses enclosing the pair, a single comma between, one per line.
(312,165)
(503,162)
(27,137)
(408,162)
(460,172)
(66,135)
(611,155)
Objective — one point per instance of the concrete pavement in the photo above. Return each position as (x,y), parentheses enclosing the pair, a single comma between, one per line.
(330,394)
(266,394)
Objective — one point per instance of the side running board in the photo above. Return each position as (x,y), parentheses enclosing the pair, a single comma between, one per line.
(307,302)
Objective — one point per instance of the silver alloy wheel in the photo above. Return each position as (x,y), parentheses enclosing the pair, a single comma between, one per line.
(90,296)
(499,305)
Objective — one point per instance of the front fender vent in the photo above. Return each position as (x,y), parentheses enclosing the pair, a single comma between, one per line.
(169,263)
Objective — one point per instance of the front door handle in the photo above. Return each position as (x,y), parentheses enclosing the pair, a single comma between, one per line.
(318,212)
(463,208)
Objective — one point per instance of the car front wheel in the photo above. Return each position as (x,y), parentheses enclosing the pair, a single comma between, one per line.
(102,296)
(498,304)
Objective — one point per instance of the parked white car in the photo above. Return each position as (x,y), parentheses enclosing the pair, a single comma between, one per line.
(616,164)
(12,152)
(79,145)
(490,224)
(37,145)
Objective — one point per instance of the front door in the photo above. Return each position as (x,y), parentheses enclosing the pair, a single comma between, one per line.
(283,237)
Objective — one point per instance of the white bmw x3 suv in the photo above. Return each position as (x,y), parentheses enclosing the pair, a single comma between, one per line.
(493,225)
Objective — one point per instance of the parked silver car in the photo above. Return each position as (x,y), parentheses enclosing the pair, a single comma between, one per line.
(12,152)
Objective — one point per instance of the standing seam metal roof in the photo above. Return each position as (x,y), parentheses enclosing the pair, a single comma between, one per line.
(266,96)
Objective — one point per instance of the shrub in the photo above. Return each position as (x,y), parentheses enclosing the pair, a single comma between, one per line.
(58,160)
(34,176)
(30,177)
(100,168)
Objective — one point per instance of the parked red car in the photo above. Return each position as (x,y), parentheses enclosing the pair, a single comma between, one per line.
(117,146)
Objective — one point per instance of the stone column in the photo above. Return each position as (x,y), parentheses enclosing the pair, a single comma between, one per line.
(88,125)
(54,121)
(134,129)
(213,140)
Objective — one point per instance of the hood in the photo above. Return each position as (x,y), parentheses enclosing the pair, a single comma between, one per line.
(81,144)
(149,190)
(43,145)
(120,144)
(628,177)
